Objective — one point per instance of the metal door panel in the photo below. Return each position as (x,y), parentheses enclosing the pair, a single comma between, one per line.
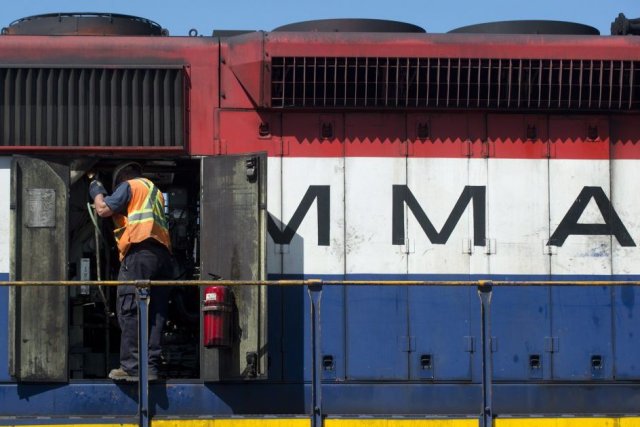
(481,252)
(581,327)
(377,340)
(313,193)
(440,320)
(38,348)
(274,209)
(233,245)
(436,185)
(578,254)
(626,261)
(274,270)
(521,325)
(627,333)
(369,185)
(518,216)
(5,197)
(625,199)
(332,330)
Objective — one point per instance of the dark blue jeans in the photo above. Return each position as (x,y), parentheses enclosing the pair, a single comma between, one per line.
(144,261)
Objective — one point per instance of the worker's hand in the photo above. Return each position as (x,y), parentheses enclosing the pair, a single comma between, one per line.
(96,188)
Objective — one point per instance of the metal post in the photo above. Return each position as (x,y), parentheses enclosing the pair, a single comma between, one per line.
(484,292)
(315,295)
(143,355)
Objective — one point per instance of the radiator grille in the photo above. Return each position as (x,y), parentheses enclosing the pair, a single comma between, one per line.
(510,84)
(92,107)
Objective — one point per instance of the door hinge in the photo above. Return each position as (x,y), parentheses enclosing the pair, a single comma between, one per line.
(494,344)
(406,343)
(490,246)
(551,344)
(549,249)
(467,247)
(409,246)
(469,344)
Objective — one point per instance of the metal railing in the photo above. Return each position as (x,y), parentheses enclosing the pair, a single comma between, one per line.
(314,289)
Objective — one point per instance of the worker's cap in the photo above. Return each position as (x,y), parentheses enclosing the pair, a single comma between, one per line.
(126,169)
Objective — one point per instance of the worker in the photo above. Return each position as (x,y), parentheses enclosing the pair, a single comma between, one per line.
(137,208)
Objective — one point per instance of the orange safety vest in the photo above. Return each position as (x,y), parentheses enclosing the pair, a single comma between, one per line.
(145,217)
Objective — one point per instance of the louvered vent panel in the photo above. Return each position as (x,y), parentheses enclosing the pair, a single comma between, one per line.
(501,84)
(82,107)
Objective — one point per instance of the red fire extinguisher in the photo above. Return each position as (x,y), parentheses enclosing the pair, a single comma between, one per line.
(216,315)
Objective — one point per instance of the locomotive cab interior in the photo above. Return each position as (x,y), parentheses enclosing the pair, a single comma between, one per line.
(80,338)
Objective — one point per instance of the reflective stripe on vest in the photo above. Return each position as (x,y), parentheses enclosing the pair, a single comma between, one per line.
(145,217)
(152,208)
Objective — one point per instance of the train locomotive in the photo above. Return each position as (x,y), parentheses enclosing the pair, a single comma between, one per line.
(360,152)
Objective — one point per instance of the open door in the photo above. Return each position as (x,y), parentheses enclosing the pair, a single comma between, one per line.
(233,247)
(38,316)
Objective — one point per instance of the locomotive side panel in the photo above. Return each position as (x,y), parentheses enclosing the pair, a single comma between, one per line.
(5,196)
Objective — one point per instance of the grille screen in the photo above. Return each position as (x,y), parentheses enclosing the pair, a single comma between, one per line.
(511,84)
(81,107)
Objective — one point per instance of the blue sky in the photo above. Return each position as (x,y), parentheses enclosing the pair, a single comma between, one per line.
(435,16)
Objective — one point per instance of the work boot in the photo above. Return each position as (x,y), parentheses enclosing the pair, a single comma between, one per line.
(122,375)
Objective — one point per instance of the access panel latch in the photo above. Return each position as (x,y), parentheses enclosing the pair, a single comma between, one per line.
(251,166)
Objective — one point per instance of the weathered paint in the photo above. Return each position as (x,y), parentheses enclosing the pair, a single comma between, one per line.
(378,422)
(568,422)
(236,422)
(199,56)
(373,422)
(5,196)
(526,201)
